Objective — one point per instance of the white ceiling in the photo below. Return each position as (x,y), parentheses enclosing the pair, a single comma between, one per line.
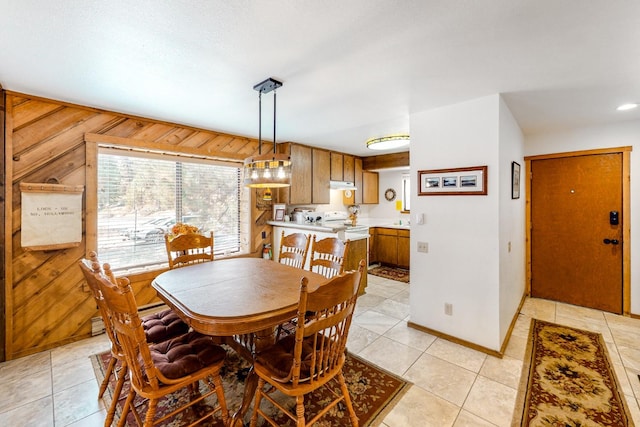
(351,70)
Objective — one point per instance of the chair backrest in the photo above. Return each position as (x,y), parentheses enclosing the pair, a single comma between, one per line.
(324,318)
(293,249)
(123,311)
(190,248)
(90,269)
(327,256)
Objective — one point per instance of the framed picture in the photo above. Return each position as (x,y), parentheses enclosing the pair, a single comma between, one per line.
(515,180)
(279,215)
(453,182)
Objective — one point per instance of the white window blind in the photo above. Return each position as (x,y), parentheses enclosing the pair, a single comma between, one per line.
(142,196)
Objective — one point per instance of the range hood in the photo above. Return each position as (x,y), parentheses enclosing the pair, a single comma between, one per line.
(342,185)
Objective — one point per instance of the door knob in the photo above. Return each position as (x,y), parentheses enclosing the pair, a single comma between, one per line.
(611,241)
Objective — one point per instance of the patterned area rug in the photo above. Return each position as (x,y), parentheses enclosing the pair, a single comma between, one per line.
(567,380)
(373,392)
(393,273)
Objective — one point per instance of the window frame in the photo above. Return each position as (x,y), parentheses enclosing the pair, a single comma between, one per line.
(94,142)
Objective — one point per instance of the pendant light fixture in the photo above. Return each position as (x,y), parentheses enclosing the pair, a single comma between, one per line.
(271,170)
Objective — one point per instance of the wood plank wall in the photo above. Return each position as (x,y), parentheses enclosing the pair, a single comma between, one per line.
(46,300)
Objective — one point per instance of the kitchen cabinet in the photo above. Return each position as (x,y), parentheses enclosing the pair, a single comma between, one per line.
(357,167)
(370,187)
(301,174)
(404,248)
(336,166)
(357,251)
(390,246)
(348,168)
(320,191)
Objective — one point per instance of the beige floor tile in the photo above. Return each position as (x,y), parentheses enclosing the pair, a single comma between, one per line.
(359,338)
(420,408)
(94,420)
(516,347)
(633,376)
(491,401)
(623,379)
(24,366)
(442,378)
(412,337)
(368,301)
(626,337)
(76,403)
(630,357)
(506,370)
(618,321)
(402,297)
(390,355)
(522,326)
(392,308)
(38,413)
(29,388)
(85,348)
(72,373)
(462,356)
(467,419)
(539,309)
(568,310)
(376,322)
(386,288)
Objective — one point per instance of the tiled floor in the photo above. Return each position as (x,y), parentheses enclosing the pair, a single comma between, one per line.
(452,384)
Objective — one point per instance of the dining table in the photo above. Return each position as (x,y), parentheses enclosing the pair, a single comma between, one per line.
(240,300)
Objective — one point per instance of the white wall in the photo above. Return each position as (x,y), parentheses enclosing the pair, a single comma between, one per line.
(466,234)
(512,221)
(385,209)
(594,137)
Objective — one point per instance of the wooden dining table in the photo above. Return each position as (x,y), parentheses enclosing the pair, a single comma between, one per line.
(241,300)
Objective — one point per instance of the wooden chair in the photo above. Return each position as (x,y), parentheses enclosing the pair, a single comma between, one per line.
(186,249)
(299,364)
(158,327)
(160,369)
(293,249)
(327,256)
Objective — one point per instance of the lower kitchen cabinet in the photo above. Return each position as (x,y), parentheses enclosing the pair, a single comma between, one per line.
(390,246)
(357,251)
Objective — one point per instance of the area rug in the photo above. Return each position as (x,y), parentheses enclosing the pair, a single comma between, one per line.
(568,380)
(373,391)
(393,273)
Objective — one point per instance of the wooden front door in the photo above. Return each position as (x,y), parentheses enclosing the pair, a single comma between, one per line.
(576,247)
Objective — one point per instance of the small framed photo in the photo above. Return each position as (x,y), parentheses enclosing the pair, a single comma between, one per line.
(515,180)
(279,215)
(453,182)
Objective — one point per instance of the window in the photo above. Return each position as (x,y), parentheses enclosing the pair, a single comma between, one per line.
(406,193)
(141,196)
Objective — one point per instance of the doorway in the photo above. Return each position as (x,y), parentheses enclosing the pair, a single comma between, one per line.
(577,230)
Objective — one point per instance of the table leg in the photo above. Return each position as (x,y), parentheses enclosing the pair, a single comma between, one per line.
(250,385)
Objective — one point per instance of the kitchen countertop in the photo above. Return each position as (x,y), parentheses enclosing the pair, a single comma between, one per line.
(334,228)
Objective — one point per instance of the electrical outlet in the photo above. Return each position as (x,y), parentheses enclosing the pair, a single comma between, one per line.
(448,309)
(423,247)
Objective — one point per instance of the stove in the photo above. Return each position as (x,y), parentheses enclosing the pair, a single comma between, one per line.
(342,218)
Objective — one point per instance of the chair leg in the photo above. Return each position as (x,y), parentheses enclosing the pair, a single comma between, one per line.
(256,405)
(300,411)
(107,376)
(126,408)
(347,400)
(122,373)
(151,412)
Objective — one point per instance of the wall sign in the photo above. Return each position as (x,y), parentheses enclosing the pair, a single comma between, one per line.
(51,216)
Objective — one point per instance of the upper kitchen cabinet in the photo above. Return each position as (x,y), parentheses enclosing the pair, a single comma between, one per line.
(370,187)
(336,166)
(342,167)
(301,174)
(357,165)
(320,193)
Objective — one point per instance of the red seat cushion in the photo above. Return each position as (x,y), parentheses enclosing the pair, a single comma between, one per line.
(186,354)
(163,325)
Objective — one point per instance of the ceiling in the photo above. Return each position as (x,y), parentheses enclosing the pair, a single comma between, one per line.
(351,70)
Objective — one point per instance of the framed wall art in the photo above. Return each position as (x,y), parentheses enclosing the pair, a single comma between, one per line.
(453,182)
(515,180)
